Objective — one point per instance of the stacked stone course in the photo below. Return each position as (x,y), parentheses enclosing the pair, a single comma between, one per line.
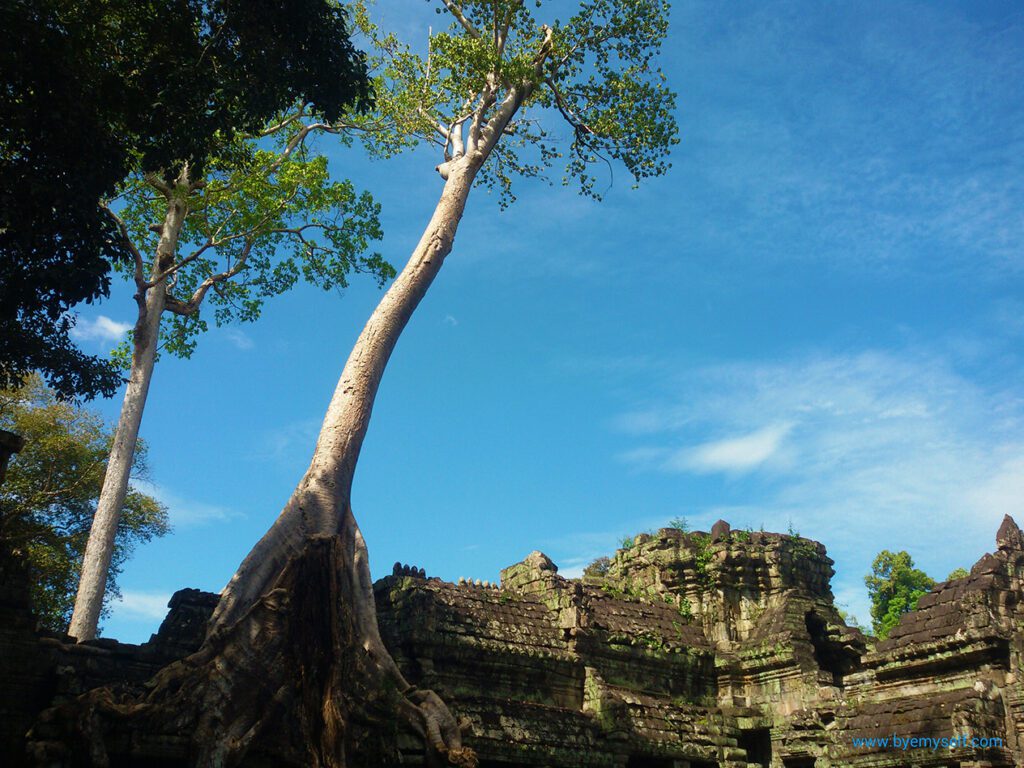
(720,648)
(691,650)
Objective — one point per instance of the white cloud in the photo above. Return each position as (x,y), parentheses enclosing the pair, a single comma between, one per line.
(737,454)
(141,606)
(450,320)
(239,338)
(185,512)
(892,451)
(290,442)
(101,329)
(1003,489)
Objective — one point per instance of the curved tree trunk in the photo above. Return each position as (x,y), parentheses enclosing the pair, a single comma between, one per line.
(321,504)
(293,671)
(320,511)
(99,549)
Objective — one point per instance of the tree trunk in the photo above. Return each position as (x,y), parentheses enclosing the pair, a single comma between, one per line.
(320,504)
(293,671)
(320,508)
(99,549)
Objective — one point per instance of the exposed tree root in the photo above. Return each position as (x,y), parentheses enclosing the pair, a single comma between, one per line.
(294,682)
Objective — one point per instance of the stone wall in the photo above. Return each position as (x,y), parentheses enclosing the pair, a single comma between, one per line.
(715,649)
(691,650)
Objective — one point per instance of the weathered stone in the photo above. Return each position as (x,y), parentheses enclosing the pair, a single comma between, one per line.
(720,531)
(1009,536)
(721,649)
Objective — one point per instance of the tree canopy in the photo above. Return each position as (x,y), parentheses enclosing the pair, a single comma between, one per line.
(585,94)
(265,215)
(97,89)
(47,500)
(894,586)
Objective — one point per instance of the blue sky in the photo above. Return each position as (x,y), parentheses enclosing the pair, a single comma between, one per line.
(815,319)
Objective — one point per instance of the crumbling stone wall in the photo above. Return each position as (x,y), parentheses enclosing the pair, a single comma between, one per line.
(715,649)
(693,650)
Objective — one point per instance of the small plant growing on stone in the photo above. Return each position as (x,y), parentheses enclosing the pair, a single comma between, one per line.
(626,542)
(680,524)
(702,557)
(686,610)
(598,567)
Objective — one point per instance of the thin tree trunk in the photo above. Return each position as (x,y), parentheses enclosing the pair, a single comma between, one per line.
(99,550)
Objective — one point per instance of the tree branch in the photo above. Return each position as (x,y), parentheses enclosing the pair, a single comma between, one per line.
(487,99)
(301,113)
(139,264)
(501,32)
(456,11)
(159,184)
(296,140)
(187,308)
(578,125)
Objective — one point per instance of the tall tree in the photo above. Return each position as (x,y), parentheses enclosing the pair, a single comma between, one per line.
(894,586)
(491,96)
(97,89)
(259,219)
(47,501)
(206,179)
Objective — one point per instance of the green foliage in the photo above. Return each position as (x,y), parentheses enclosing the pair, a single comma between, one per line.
(958,573)
(801,549)
(702,557)
(652,640)
(850,619)
(147,85)
(894,586)
(679,524)
(595,74)
(267,215)
(598,568)
(685,609)
(626,542)
(48,498)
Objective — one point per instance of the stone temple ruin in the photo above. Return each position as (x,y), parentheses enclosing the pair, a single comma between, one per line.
(692,650)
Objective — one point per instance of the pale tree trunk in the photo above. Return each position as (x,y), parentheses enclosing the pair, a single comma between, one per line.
(317,529)
(100,547)
(293,671)
(321,504)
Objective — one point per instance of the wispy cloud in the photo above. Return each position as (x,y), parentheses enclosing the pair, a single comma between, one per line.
(141,606)
(732,455)
(882,451)
(239,338)
(909,150)
(292,441)
(186,512)
(450,320)
(100,329)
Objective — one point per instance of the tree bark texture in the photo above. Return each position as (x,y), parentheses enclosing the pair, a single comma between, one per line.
(100,546)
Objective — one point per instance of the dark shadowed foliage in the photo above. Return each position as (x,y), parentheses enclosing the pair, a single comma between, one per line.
(95,89)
